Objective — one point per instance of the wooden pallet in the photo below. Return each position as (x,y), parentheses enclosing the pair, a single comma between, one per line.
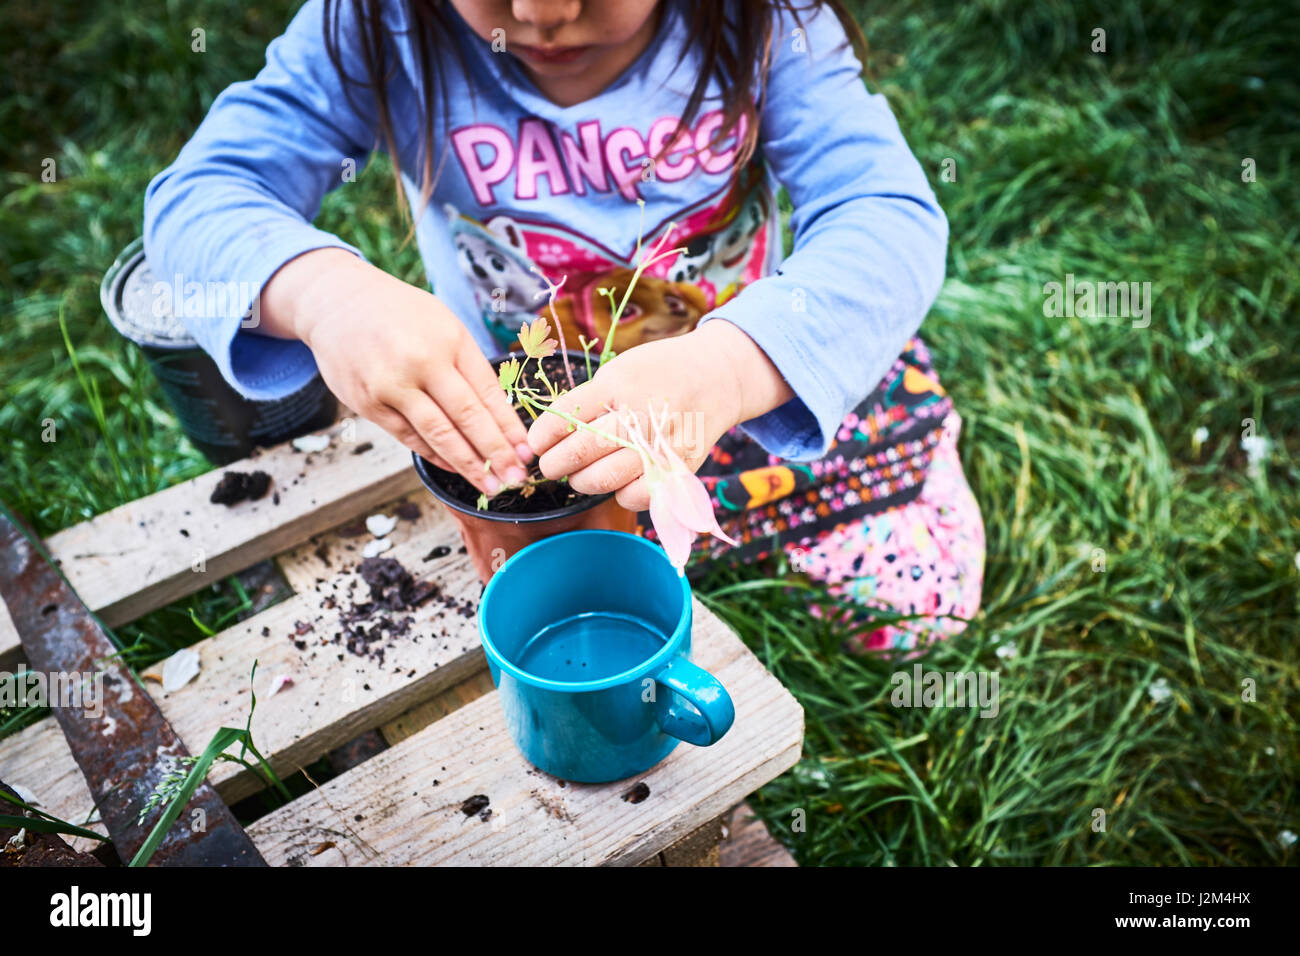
(431,697)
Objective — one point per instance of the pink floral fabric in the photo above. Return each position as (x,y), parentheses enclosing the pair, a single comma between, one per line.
(923,558)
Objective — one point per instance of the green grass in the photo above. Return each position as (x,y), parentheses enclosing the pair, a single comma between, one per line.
(1079,433)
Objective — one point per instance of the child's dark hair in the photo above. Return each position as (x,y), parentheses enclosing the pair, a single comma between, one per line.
(728,35)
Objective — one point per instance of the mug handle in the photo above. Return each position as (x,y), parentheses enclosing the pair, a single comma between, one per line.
(706,694)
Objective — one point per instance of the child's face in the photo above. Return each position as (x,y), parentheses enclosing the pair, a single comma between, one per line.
(571,48)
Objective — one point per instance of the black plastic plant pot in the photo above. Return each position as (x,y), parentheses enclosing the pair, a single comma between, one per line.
(492,536)
(224,425)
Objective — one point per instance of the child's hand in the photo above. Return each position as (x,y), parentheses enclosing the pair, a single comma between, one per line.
(712,379)
(400,358)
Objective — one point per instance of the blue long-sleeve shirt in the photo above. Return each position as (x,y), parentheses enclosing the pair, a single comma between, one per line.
(525,184)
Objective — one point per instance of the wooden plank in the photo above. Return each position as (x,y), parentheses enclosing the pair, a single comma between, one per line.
(327,552)
(38,760)
(747,842)
(390,810)
(334,694)
(10,646)
(695,849)
(422,715)
(147,553)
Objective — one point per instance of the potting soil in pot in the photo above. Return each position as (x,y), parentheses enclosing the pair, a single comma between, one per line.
(537,499)
(590,646)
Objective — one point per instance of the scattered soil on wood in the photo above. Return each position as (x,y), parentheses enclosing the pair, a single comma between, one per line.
(368,625)
(554,806)
(237,486)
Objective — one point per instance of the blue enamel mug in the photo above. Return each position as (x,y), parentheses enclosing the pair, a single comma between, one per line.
(588,638)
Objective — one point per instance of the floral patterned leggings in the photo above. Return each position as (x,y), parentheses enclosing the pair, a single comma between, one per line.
(886,521)
(924,558)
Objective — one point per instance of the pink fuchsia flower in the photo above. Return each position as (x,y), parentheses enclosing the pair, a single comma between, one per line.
(680,507)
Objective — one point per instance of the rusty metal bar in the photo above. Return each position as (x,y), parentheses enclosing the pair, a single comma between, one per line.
(122,743)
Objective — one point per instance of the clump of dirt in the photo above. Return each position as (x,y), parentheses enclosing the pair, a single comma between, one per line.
(392,587)
(237,486)
(477,804)
(366,625)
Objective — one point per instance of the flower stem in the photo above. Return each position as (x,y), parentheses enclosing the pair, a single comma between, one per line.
(585,426)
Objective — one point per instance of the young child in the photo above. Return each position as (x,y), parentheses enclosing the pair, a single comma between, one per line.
(540,138)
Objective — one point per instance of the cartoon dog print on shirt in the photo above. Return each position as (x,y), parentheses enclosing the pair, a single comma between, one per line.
(492,257)
(689,265)
(721,258)
(734,246)
(657,309)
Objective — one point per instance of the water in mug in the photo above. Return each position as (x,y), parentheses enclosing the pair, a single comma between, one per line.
(590,646)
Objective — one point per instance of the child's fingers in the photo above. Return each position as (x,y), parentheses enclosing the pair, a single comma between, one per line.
(445,439)
(481,378)
(435,459)
(634,496)
(580,449)
(468,416)
(610,473)
(396,425)
(583,403)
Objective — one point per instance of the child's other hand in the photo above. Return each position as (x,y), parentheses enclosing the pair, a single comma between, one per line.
(694,373)
(399,357)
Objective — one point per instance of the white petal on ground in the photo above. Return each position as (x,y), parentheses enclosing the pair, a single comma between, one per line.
(1287,838)
(179,669)
(311,442)
(380,525)
(376,547)
(1007,651)
(278,683)
(1159,690)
